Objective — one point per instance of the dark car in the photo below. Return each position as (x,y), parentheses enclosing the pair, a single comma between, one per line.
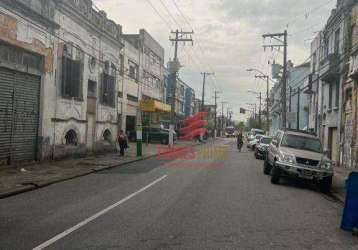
(153,135)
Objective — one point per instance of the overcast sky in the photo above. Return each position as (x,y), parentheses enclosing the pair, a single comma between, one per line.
(228,37)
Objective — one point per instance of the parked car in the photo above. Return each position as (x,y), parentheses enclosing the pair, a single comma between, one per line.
(153,135)
(256,131)
(298,154)
(252,144)
(250,137)
(262,146)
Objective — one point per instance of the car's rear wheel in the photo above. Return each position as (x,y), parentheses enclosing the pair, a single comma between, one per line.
(275,175)
(326,184)
(267,167)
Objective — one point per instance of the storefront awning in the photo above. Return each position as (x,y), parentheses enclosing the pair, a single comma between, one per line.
(154,106)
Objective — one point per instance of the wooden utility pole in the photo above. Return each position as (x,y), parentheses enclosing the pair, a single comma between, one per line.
(282,43)
(203,94)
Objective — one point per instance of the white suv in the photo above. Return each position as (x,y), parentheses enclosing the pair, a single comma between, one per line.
(298,154)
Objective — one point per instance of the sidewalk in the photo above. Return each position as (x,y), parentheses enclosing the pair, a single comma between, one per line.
(14,180)
(338,185)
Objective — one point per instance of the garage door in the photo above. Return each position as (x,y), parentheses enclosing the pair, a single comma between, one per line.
(19,115)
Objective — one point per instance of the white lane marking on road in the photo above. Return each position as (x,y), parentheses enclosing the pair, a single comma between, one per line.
(95,216)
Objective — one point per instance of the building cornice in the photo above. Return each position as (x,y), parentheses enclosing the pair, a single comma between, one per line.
(26,10)
(96,21)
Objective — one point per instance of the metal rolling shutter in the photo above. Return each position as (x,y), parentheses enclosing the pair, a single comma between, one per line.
(20,101)
(27,94)
(6,109)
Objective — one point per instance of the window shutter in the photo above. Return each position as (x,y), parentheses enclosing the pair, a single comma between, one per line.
(76,76)
(112,91)
(68,78)
(64,78)
(104,88)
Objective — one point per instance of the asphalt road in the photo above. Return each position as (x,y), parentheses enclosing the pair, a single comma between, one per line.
(220,200)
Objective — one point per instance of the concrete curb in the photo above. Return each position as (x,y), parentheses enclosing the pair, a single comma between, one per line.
(338,197)
(35,186)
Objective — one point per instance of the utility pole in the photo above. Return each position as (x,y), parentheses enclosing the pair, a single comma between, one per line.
(222,117)
(216,108)
(203,95)
(298,108)
(276,37)
(260,125)
(289,104)
(267,78)
(174,66)
(255,112)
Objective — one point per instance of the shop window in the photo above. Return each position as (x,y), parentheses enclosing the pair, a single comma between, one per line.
(18,56)
(71,138)
(108,90)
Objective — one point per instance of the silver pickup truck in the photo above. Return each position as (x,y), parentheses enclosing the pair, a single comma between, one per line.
(298,154)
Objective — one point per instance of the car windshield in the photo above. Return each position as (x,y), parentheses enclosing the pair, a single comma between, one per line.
(266,140)
(301,142)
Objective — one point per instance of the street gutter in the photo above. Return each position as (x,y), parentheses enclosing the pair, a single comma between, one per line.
(33,186)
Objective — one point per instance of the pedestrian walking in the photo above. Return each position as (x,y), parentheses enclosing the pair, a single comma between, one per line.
(122,142)
(240,140)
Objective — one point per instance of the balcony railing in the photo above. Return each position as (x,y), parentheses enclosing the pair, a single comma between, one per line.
(330,68)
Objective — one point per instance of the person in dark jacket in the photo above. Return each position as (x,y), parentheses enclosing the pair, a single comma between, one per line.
(240,140)
(122,142)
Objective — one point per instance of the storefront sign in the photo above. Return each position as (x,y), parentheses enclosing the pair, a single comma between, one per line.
(154,106)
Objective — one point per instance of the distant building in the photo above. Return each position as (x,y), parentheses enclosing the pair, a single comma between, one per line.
(144,67)
(298,101)
(189,98)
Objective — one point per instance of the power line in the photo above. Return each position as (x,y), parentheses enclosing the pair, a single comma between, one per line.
(198,42)
(307,13)
(158,13)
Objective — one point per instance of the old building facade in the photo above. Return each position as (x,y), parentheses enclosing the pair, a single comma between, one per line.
(27,49)
(85,110)
(332,103)
(71,79)
(350,116)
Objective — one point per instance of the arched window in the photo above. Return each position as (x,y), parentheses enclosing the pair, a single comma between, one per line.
(107,135)
(71,138)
